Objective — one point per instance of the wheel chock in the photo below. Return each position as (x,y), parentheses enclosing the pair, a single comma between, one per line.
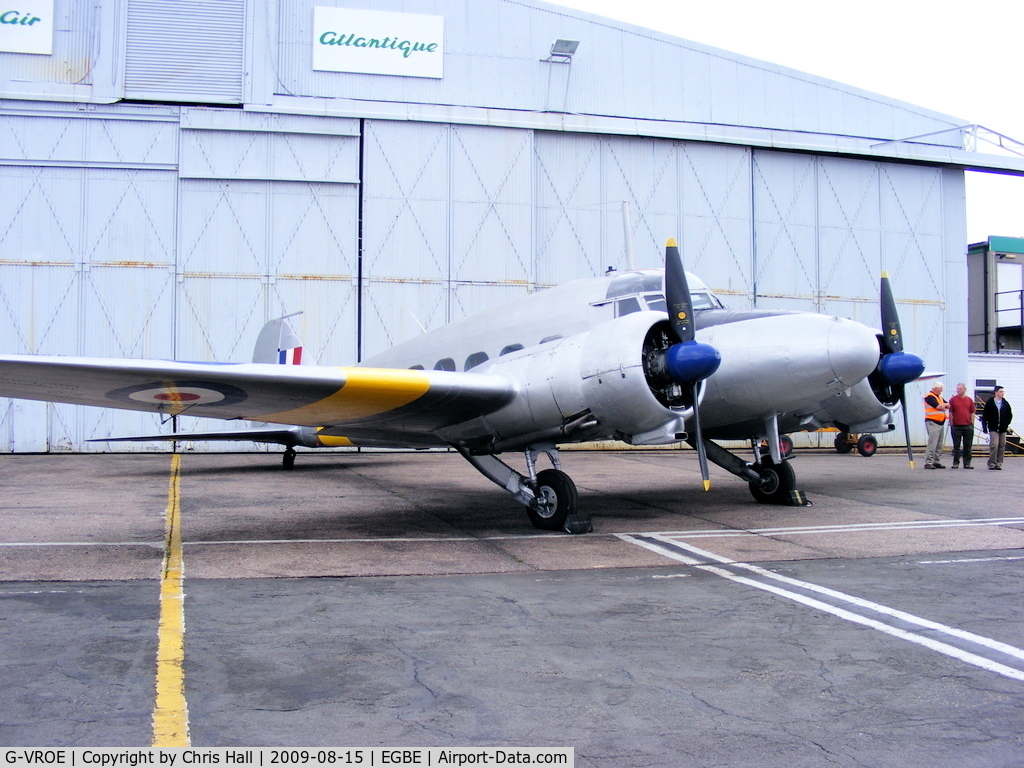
(578,522)
(798,499)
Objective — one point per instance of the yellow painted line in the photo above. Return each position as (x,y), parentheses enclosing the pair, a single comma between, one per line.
(170,714)
(366,392)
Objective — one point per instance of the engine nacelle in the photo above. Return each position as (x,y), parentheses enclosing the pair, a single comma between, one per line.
(610,372)
(622,371)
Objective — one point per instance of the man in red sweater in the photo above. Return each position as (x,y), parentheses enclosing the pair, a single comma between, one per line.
(961,418)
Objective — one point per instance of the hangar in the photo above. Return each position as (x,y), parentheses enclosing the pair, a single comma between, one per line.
(173,174)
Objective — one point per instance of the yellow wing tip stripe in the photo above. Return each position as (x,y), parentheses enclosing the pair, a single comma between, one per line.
(365,392)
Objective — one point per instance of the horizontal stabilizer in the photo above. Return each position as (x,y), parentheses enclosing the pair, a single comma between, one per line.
(287,437)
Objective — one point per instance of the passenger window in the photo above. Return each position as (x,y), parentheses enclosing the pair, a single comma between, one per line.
(546,339)
(510,349)
(477,358)
(445,365)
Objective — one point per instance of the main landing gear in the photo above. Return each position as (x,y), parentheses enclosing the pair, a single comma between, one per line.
(770,477)
(550,497)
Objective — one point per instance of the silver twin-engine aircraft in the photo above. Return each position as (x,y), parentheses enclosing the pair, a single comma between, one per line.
(647,357)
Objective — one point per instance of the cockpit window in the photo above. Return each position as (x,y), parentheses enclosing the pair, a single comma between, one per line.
(705,300)
(656,302)
(649,289)
(627,306)
(632,283)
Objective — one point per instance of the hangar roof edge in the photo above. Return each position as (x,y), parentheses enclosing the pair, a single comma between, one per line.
(711,50)
(908,150)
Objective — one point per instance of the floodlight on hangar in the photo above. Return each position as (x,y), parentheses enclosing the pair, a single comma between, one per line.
(562,50)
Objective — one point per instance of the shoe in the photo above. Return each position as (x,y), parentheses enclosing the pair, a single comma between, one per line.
(929,466)
(968,466)
(996,467)
(939,466)
(956,465)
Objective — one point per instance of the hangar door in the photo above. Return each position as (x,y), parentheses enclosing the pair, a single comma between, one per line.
(176,235)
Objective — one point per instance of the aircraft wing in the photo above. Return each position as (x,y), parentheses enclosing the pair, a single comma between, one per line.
(395,402)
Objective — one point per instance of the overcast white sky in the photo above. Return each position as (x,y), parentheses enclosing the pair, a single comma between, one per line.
(961,59)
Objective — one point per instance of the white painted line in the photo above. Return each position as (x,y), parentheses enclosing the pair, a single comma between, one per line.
(213,542)
(935,645)
(885,610)
(156,544)
(967,560)
(845,528)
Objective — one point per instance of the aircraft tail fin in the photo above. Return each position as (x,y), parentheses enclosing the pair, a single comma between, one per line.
(278,343)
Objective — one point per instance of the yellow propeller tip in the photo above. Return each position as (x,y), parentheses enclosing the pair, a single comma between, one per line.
(707,485)
(671,243)
(911,465)
(885,274)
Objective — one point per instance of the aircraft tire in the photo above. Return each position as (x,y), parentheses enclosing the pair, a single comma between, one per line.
(867,445)
(777,480)
(288,460)
(558,498)
(842,443)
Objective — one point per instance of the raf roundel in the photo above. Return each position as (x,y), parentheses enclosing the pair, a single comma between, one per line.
(180,394)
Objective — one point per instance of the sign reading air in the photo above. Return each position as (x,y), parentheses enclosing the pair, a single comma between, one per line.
(378,42)
(26,26)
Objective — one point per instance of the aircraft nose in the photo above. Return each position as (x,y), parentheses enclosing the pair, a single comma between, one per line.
(852,350)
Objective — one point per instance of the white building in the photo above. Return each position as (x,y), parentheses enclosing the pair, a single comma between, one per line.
(175,172)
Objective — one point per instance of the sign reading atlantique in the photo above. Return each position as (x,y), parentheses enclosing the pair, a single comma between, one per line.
(378,42)
(26,26)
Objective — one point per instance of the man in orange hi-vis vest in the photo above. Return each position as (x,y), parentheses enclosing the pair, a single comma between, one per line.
(935,409)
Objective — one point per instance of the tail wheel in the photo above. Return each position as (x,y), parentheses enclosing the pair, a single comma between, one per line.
(556,500)
(867,445)
(842,443)
(288,459)
(776,483)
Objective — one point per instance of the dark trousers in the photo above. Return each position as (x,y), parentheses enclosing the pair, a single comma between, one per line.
(963,442)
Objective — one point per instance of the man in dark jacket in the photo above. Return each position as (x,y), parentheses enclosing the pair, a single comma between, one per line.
(995,420)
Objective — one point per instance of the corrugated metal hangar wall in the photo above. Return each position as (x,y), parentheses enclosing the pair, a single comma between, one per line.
(169,231)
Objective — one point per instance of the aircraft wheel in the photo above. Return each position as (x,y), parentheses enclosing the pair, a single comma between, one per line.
(867,445)
(556,500)
(777,480)
(288,460)
(842,443)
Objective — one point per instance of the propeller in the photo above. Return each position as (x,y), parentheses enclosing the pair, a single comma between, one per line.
(896,367)
(687,362)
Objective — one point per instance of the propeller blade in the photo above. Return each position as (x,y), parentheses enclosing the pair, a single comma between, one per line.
(688,362)
(702,452)
(677,294)
(896,366)
(906,427)
(892,334)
